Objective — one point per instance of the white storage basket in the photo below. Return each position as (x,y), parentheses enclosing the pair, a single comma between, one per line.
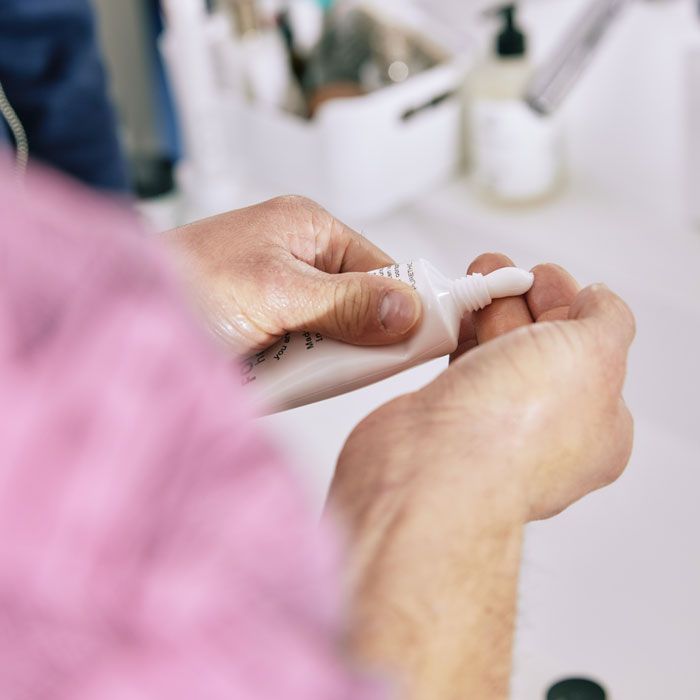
(360,156)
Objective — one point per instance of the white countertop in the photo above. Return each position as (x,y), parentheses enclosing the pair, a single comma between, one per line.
(610,589)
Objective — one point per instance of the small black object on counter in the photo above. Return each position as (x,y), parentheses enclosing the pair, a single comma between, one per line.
(576,689)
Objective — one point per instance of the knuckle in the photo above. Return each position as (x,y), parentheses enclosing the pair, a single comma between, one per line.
(295,201)
(287,205)
(288,199)
(303,209)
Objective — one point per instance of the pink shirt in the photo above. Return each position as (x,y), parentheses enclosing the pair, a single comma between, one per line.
(152,543)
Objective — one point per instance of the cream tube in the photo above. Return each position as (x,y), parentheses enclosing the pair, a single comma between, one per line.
(305,367)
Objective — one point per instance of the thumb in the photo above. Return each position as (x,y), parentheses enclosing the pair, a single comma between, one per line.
(355,307)
(612,326)
(607,313)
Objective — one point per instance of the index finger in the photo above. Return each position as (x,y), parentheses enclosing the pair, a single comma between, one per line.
(348,250)
(362,255)
(607,312)
(501,315)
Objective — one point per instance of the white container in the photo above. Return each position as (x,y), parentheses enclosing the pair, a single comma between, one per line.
(360,157)
(516,153)
(305,367)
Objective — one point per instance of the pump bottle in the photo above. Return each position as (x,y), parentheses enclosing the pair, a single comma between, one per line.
(516,152)
(305,367)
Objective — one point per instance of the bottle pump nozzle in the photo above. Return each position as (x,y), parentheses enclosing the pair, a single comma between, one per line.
(510,41)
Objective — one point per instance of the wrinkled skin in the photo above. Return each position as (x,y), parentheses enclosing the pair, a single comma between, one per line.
(535,388)
(435,487)
(288,265)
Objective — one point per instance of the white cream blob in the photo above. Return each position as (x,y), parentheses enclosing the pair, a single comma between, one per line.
(508,282)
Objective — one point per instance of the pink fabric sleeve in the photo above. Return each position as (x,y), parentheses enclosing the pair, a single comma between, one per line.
(152,545)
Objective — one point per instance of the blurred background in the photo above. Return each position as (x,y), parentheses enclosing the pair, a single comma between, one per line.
(550,130)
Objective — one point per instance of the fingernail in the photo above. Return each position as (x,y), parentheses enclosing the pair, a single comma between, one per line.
(398,312)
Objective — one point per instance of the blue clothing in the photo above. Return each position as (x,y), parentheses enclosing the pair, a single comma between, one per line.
(52,73)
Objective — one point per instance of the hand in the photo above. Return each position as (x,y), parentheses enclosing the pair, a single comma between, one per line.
(535,386)
(555,385)
(435,487)
(288,265)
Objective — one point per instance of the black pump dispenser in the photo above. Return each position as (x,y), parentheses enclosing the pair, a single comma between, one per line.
(511,42)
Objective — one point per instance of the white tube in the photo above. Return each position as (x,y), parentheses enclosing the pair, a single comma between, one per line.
(305,367)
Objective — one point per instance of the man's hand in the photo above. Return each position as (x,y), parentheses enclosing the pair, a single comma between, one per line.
(436,486)
(288,265)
